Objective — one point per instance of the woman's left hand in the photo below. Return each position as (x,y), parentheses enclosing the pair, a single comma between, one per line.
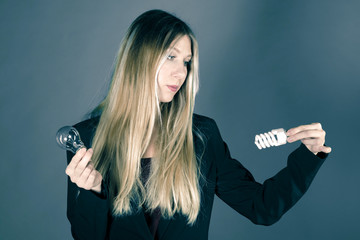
(312,136)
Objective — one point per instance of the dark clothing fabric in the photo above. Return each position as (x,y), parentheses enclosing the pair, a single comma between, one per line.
(152,219)
(90,214)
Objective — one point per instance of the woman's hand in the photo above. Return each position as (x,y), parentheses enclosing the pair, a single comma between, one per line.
(82,172)
(312,136)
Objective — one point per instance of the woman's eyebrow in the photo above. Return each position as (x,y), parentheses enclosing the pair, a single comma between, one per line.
(177,50)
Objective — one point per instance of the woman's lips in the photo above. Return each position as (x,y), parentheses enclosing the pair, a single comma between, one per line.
(173,88)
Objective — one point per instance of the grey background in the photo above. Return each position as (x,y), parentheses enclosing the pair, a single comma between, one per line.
(263,64)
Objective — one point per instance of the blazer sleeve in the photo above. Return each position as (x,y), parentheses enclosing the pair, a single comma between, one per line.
(263,203)
(87,211)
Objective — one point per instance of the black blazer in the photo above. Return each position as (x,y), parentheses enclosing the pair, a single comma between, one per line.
(90,215)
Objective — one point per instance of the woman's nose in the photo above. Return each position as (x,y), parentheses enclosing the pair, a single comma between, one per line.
(180,71)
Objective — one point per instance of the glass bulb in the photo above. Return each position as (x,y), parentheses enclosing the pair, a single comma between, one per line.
(68,138)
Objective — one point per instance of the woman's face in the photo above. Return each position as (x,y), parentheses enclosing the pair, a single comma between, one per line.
(173,72)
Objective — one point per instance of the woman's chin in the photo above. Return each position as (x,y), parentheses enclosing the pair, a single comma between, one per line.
(166,100)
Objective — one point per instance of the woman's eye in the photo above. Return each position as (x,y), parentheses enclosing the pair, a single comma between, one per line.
(170,57)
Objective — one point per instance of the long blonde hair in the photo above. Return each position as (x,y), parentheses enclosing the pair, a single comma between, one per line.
(128,117)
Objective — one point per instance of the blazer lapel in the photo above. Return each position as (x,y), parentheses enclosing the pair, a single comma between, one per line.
(171,228)
(139,222)
(162,227)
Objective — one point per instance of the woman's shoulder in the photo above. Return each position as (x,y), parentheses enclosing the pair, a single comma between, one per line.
(88,124)
(202,120)
(204,124)
(87,128)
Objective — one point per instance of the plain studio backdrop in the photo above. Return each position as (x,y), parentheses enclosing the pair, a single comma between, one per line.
(263,65)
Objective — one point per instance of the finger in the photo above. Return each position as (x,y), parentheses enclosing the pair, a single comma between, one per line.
(80,177)
(82,180)
(313,141)
(98,180)
(83,163)
(326,149)
(317,149)
(306,134)
(295,130)
(75,161)
(91,180)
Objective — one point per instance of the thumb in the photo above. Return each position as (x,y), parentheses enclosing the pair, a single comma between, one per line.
(326,149)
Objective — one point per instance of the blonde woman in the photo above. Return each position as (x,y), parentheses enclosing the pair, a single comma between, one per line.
(152,167)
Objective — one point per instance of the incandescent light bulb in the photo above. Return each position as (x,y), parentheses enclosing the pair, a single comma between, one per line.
(68,138)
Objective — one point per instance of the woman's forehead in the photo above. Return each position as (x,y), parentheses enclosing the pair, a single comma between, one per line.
(182,45)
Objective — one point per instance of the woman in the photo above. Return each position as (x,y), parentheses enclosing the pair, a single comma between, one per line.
(153,166)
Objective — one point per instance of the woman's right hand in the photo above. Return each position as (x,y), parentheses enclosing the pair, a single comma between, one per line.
(82,172)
